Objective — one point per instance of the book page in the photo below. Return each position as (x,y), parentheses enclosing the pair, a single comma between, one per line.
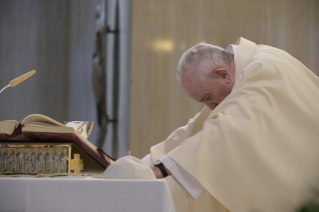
(8,126)
(41,119)
(41,123)
(44,127)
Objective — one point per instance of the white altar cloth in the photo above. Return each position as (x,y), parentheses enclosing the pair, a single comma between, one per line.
(84,194)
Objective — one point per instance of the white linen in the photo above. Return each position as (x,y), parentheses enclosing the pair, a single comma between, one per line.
(84,194)
(129,167)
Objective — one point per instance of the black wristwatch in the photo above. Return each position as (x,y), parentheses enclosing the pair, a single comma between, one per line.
(161,167)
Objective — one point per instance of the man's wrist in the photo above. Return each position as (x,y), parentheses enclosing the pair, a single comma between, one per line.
(161,167)
(157,172)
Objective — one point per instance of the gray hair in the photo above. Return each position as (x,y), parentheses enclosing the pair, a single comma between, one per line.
(201,59)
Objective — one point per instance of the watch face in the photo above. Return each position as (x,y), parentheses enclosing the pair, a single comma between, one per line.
(157,162)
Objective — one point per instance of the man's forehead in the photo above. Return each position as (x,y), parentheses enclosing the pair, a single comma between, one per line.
(192,87)
(186,76)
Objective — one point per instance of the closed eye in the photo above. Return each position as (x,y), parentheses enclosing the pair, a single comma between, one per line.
(206,97)
(209,97)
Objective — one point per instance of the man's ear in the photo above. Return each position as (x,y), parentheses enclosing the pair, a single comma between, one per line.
(222,74)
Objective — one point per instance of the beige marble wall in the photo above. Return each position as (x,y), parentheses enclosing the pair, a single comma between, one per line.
(163,30)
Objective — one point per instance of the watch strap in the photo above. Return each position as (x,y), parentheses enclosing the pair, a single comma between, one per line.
(161,167)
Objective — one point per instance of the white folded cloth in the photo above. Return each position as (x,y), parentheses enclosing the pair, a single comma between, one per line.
(128,167)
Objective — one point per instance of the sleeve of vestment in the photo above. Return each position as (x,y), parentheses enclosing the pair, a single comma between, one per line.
(178,136)
(187,181)
(182,177)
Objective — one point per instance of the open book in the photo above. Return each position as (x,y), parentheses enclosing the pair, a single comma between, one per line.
(38,128)
(35,122)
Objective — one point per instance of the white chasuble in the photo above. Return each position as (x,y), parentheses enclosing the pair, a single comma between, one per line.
(259,149)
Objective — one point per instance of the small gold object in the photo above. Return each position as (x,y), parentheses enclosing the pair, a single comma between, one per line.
(80,129)
(76,164)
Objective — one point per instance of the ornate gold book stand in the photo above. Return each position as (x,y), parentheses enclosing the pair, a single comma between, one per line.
(41,145)
(50,153)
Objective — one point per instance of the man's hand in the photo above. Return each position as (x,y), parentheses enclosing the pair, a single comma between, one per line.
(158,173)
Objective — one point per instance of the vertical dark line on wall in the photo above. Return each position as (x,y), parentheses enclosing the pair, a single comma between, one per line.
(116,82)
(68,43)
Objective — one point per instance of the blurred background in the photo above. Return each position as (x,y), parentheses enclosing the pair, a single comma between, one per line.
(114,61)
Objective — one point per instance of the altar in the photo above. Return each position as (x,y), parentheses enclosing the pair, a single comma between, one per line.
(84,194)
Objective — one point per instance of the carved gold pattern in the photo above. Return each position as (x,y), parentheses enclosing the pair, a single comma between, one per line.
(34,158)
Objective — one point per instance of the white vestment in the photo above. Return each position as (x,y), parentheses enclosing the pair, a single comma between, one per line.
(258,149)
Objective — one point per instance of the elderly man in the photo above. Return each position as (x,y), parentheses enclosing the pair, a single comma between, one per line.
(255,145)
